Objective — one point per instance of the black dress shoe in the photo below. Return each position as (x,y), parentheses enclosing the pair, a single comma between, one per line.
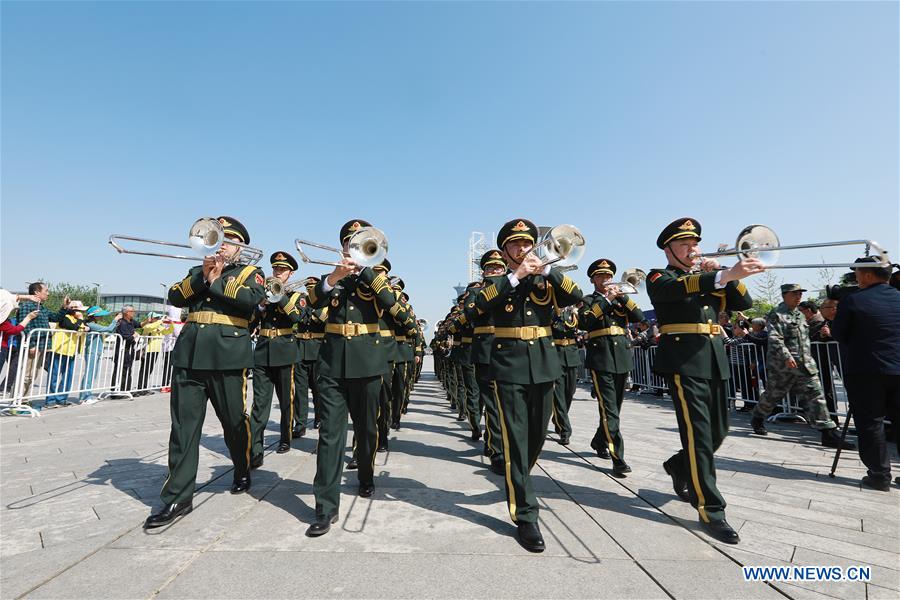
(298,432)
(460,418)
(530,537)
(830,439)
(679,485)
(240,485)
(403,412)
(620,467)
(256,461)
(366,490)
(283,447)
(759,426)
(498,465)
(395,425)
(316,425)
(353,464)
(476,435)
(722,531)
(882,485)
(563,440)
(321,526)
(382,447)
(486,451)
(602,451)
(169,513)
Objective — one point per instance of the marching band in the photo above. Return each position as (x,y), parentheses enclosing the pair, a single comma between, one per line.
(506,353)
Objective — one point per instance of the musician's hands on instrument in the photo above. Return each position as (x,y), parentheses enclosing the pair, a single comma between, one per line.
(743,268)
(212,267)
(708,264)
(530,265)
(346,267)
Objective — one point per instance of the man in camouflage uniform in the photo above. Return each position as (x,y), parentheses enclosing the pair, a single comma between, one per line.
(790,368)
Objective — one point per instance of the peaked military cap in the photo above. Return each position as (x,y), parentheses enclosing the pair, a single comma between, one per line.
(492,257)
(234,227)
(351,227)
(602,265)
(404,296)
(517,229)
(283,259)
(384,267)
(685,227)
(791,287)
(310,281)
(397,283)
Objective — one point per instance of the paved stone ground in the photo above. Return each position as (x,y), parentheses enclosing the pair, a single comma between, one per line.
(78,482)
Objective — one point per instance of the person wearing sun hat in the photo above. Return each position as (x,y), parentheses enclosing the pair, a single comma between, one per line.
(688,294)
(93,349)
(524,363)
(605,315)
(210,361)
(65,347)
(155,330)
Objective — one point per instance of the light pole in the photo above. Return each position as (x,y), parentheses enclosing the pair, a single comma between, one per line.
(98,286)
(165,288)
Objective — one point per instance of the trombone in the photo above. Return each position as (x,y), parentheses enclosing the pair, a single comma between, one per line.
(563,245)
(633,282)
(275,290)
(367,247)
(762,243)
(205,237)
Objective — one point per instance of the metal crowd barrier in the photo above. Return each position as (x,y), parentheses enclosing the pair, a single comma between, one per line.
(56,366)
(748,377)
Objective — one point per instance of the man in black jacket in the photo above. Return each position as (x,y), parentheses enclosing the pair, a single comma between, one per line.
(868,327)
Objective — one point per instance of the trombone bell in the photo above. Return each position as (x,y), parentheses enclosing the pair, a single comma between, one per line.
(205,237)
(563,246)
(633,281)
(367,247)
(274,290)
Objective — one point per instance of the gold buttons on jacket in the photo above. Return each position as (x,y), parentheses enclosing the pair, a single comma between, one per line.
(528,312)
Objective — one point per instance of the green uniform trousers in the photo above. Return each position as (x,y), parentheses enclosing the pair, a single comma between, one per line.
(337,398)
(701,406)
(305,378)
(610,391)
(410,382)
(264,379)
(461,391)
(451,383)
(398,390)
(563,392)
(524,415)
(474,407)
(227,390)
(385,398)
(493,437)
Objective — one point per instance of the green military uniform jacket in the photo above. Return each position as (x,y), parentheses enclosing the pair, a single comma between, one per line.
(680,297)
(789,338)
(462,327)
(281,350)
(356,300)
(608,353)
(212,346)
(405,334)
(482,328)
(564,334)
(311,332)
(529,304)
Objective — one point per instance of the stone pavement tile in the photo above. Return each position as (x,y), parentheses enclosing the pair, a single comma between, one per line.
(643,531)
(374,575)
(874,592)
(116,573)
(874,503)
(848,550)
(887,513)
(30,569)
(880,527)
(701,579)
(760,547)
(881,576)
(803,513)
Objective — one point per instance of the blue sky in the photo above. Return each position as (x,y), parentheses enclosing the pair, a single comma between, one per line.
(434,120)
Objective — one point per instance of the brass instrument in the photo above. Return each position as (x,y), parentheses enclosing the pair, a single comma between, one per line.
(205,237)
(633,282)
(563,246)
(368,247)
(761,242)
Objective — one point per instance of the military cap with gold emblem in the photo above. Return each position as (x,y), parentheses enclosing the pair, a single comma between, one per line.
(234,227)
(517,229)
(492,257)
(384,267)
(398,284)
(602,265)
(404,296)
(351,227)
(685,227)
(283,259)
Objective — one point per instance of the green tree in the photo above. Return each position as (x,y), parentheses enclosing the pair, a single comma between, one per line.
(59,290)
(767,288)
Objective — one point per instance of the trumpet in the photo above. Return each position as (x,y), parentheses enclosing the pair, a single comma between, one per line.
(762,243)
(367,247)
(205,237)
(633,282)
(563,245)
(274,290)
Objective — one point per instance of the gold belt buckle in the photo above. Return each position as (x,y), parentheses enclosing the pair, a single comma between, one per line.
(528,333)
(204,318)
(714,329)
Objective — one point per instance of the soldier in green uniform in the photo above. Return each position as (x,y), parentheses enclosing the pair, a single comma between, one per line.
(565,328)
(463,327)
(461,357)
(310,335)
(275,357)
(492,265)
(414,358)
(605,315)
(405,337)
(210,362)
(691,358)
(790,368)
(350,375)
(524,363)
(392,357)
